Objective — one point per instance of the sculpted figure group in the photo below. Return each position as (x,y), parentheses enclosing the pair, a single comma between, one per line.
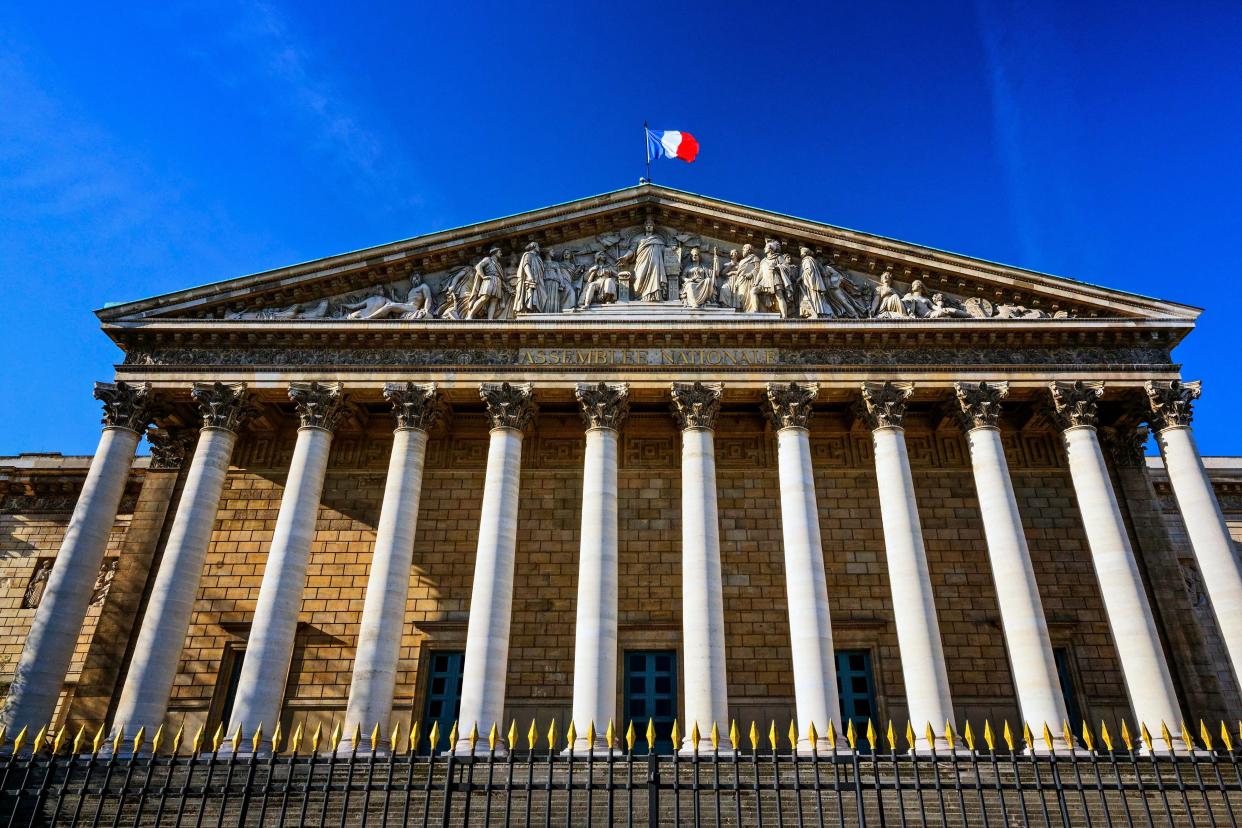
(642,268)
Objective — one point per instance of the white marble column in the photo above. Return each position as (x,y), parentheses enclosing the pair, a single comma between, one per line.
(417,408)
(511,409)
(45,657)
(1022,612)
(157,650)
(604,407)
(806,584)
(1215,552)
(1153,696)
(696,407)
(265,667)
(914,606)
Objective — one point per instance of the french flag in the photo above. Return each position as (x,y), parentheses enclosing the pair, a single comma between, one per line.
(671,144)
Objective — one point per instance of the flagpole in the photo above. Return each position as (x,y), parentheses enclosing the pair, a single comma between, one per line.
(647,149)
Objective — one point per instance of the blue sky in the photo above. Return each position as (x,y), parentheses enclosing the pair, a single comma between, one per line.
(148,147)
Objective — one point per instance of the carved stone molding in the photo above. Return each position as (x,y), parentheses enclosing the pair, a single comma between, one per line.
(697,404)
(509,405)
(1171,402)
(169,449)
(1126,444)
(980,403)
(319,405)
(226,405)
(126,405)
(789,403)
(1076,403)
(884,403)
(604,404)
(415,405)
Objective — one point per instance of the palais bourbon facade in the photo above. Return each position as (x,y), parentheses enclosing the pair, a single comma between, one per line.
(647,456)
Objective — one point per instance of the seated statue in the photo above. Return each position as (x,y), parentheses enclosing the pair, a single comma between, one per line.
(916,301)
(601,283)
(698,283)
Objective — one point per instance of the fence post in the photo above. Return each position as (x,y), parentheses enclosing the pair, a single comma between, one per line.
(653,789)
(448,784)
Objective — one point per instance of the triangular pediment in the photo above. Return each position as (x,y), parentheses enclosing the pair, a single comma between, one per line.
(589,266)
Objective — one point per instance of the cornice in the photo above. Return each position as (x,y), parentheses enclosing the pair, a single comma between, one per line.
(552,225)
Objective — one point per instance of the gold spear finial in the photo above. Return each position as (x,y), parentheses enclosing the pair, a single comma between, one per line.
(571,735)
(969,735)
(831,735)
(217,738)
(871,740)
(196,745)
(552,735)
(1026,735)
(452,737)
(715,735)
(513,734)
(532,735)
(754,737)
(610,735)
(735,737)
(1105,736)
(1188,738)
(416,736)
(435,735)
(950,737)
(95,746)
(694,736)
(39,739)
(257,738)
(474,736)
(20,740)
(929,735)
(989,738)
(394,738)
(1145,735)
(909,735)
(139,738)
(792,735)
(1204,735)
(676,735)
(812,737)
(651,734)
(772,735)
(1225,737)
(492,736)
(335,739)
(77,739)
(890,736)
(630,737)
(60,739)
(1007,735)
(1048,739)
(118,739)
(296,741)
(237,737)
(375,737)
(1067,732)
(850,735)
(1125,736)
(591,733)
(1088,738)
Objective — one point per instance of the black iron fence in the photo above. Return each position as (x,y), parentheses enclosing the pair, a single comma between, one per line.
(838,781)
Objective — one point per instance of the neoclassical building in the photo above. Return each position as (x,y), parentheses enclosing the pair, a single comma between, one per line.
(643,456)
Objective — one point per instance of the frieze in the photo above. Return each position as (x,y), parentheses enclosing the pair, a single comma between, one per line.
(740,358)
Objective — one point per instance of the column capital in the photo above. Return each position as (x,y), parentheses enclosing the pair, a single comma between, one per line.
(319,404)
(696,404)
(1171,402)
(604,404)
(884,403)
(125,405)
(415,405)
(1126,443)
(169,449)
(226,405)
(789,403)
(980,403)
(1076,403)
(509,405)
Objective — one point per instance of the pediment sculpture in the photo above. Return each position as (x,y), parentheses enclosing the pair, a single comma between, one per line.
(650,265)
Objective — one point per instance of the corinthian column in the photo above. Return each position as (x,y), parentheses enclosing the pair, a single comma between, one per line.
(511,408)
(914,606)
(1022,612)
(128,410)
(417,408)
(1171,406)
(265,668)
(696,407)
(604,407)
(810,625)
(1152,694)
(157,651)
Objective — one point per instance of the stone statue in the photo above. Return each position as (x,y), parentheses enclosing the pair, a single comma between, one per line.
(941,309)
(774,285)
(744,278)
(728,274)
(559,293)
(698,283)
(887,304)
(528,288)
(418,304)
(814,288)
(601,282)
(916,301)
(487,291)
(650,274)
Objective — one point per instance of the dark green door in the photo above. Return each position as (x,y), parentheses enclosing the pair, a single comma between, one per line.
(856,690)
(651,694)
(443,694)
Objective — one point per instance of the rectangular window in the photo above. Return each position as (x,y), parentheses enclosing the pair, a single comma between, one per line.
(226,685)
(1068,692)
(856,689)
(651,695)
(443,695)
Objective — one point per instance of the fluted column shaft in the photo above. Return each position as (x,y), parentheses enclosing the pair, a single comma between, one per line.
(1209,535)
(1148,681)
(914,606)
(702,595)
(806,585)
(388,585)
(1022,612)
(491,598)
(54,632)
(511,409)
(273,630)
(595,635)
(157,650)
